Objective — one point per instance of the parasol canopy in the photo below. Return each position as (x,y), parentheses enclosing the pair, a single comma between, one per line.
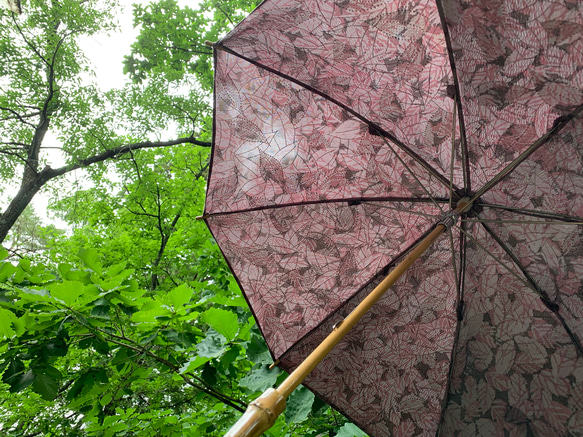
(343,132)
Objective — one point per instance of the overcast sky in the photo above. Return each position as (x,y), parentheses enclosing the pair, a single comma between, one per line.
(106,52)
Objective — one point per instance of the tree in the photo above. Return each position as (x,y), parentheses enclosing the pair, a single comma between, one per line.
(147,219)
(43,91)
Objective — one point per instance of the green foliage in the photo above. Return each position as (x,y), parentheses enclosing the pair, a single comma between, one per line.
(113,357)
(172,40)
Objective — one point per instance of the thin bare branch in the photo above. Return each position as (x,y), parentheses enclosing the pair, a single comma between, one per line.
(224,13)
(17,116)
(33,48)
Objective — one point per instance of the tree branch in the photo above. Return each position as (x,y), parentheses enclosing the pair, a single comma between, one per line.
(18,116)
(163,243)
(232,402)
(122,150)
(224,13)
(33,48)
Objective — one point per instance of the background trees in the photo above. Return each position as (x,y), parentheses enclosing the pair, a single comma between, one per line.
(128,322)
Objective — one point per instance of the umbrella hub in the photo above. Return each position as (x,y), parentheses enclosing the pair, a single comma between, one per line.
(464,205)
(450,218)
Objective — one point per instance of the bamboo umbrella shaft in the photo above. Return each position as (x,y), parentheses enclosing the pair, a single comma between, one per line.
(263,412)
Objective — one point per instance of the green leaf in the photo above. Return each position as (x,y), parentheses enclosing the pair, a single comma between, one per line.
(50,371)
(257,350)
(150,338)
(193,364)
(230,356)
(260,378)
(180,295)
(13,371)
(115,269)
(24,264)
(209,375)
(22,323)
(32,295)
(223,321)
(100,345)
(213,345)
(122,355)
(46,386)
(350,430)
(100,375)
(106,399)
(100,311)
(6,270)
(68,292)
(20,381)
(56,348)
(149,310)
(299,405)
(7,318)
(83,385)
(179,337)
(90,258)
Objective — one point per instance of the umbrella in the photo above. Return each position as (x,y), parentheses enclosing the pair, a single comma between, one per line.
(347,132)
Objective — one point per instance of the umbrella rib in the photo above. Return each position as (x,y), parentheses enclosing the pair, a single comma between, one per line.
(524,222)
(533,285)
(541,214)
(559,124)
(552,306)
(392,208)
(454,264)
(458,102)
(442,179)
(452,161)
(495,258)
(459,312)
(350,201)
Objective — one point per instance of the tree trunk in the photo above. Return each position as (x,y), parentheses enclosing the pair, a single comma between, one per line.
(31,184)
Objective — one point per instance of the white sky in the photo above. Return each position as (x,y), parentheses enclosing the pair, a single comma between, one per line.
(106,52)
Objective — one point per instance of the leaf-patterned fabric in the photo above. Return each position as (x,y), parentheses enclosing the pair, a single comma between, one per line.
(343,131)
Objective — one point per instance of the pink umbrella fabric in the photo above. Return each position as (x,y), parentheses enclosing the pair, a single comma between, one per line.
(343,131)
